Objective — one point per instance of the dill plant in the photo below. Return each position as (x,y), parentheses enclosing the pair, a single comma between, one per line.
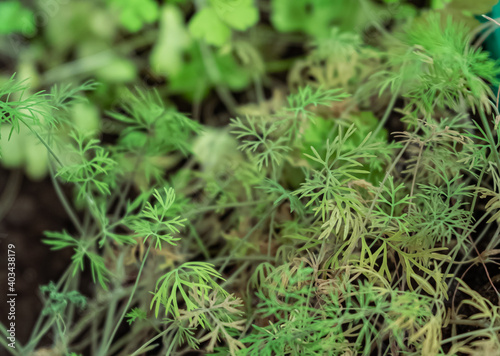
(270,247)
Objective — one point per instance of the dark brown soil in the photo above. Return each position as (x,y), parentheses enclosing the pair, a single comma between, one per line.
(35,209)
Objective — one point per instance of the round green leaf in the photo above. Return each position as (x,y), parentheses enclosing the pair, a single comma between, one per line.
(207,25)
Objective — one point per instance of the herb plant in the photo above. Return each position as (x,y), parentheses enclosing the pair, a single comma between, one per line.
(343,214)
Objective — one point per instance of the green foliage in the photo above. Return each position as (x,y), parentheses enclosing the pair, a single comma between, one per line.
(198,277)
(152,126)
(172,42)
(493,205)
(364,123)
(331,214)
(58,301)
(258,140)
(29,119)
(221,316)
(301,328)
(437,218)
(89,163)
(439,69)
(156,221)
(389,213)
(207,25)
(239,15)
(63,97)
(313,17)
(326,187)
(269,141)
(213,23)
(194,80)
(134,14)
(136,314)
(455,65)
(17,106)
(272,187)
(300,103)
(63,240)
(14,18)
(59,240)
(439,4)
(98,267)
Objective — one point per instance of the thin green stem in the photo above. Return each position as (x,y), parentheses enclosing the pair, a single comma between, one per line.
(18,351)
(215,76)
(36,333)
(487,128)
(118,322)
(225,206)
(34,342)
(234,275)
(138,351)
(243,240)
(52,153)
(66,205)
(199,241)
(387,113)
(477,333)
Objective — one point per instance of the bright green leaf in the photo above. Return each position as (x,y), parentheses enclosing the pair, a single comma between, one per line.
(206,25)
(173,40)
(15,18)
(238,14)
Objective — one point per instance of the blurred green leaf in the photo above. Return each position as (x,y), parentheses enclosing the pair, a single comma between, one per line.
(135,13)
(86,118)
(173,39)
(14,18)
(439,4)
(193,81)
(463,10)
(475,7)
(206,25)
(238,14)
(314,17)
(119,70)
(23,150)
(214,149)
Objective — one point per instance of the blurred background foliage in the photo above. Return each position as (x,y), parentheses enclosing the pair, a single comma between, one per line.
(200,55)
